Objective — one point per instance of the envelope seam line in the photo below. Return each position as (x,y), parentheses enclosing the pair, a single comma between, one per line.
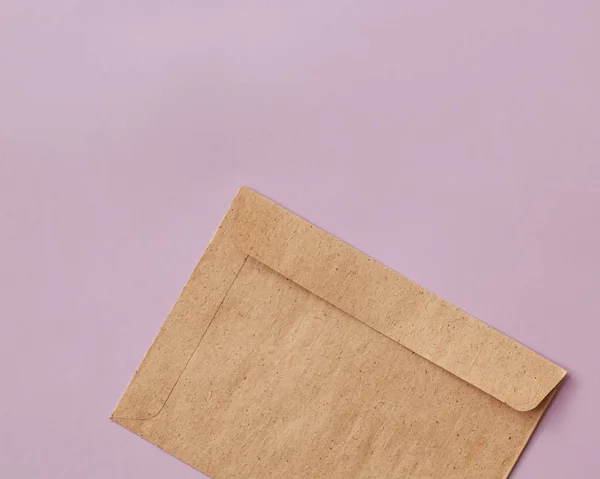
(195,349)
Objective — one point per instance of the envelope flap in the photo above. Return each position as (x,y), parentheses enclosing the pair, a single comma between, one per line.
(390,303)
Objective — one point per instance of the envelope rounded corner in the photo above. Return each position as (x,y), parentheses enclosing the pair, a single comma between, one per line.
(526,403)
(526,406)
(137,409)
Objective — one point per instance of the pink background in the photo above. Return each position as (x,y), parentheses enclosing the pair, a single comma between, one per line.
(457,142)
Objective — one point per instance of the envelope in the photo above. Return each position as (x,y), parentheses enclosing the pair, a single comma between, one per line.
(290,354)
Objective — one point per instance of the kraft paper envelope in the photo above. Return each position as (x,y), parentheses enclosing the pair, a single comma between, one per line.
(289,354)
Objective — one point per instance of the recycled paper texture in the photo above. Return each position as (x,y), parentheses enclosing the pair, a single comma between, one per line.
(289,354)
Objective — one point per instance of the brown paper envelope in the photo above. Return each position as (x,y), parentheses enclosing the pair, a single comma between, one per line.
(289,354)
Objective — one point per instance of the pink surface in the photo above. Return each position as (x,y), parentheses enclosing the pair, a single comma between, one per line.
(457,142)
